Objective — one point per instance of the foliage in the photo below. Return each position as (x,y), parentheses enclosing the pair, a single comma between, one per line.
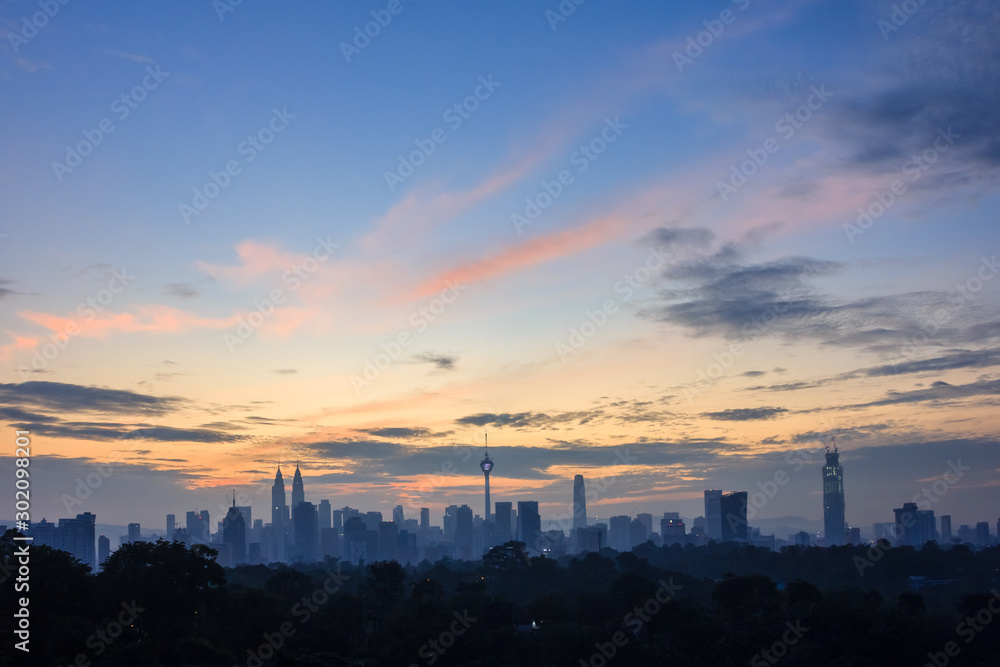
(727,604)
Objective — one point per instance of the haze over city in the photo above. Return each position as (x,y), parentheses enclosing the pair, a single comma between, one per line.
(673,246)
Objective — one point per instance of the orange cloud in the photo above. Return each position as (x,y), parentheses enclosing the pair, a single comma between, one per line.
(151,318)
(20,343)
(522,255)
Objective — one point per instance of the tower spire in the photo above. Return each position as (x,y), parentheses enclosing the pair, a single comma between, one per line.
(486,465)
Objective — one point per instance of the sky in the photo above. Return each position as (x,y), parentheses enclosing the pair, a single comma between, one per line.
(667,246)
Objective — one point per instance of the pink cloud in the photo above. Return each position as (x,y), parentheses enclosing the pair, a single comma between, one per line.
(151,318)
(258,259)
(20,343)
(526,254)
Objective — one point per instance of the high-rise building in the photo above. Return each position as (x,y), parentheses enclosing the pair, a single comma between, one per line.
(325,514)
(397,515)
(298,489)
(486,465)
(77,537)
(801,538)
(198,527)
(279,508)
(171,525)
(504,522)
(463,532)
(946,528)
(638,532)
(388,545)
(579,503)
(134,533)
(619,533)
(913,527)
(425,518)
(593,538)
(306,532)
(247,512)
(734,516)
(448,522)
(529,524)
(834,522)
(646,520)
(354,546)
(103,549)
(713,513)
(671,528)
(372,520)
(983,532)
(328,542)
(234,534)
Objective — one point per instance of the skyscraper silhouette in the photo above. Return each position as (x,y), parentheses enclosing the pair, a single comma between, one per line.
(298,490)
(306,532)
(103,549)
(279,519)
(487,466)
(234,534)
(734,516)
(529,524)
(834,524)
(279,510)
(579,503)
(713,513)
(505,521)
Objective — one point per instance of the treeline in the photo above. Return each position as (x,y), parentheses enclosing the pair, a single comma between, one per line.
(723,604)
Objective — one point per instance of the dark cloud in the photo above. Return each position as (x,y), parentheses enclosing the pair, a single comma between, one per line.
(170,434)
(843,435)
(945,67)
(745,414)
(541,420)
(955,359)
(670,237)
(404,432)
(744,301)
(224,426)
(268,421)
(440,362)
(517,420)
(64,397)
(113,431)
(23,416)
(183,290)
(713,295)
(940,392)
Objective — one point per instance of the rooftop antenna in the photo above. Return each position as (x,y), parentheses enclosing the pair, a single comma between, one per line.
(486,437)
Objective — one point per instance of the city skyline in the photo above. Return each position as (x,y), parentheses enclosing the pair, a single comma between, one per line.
(307,532)
(674,248)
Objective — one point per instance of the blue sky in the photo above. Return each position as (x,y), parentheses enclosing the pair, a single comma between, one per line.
(308,251)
